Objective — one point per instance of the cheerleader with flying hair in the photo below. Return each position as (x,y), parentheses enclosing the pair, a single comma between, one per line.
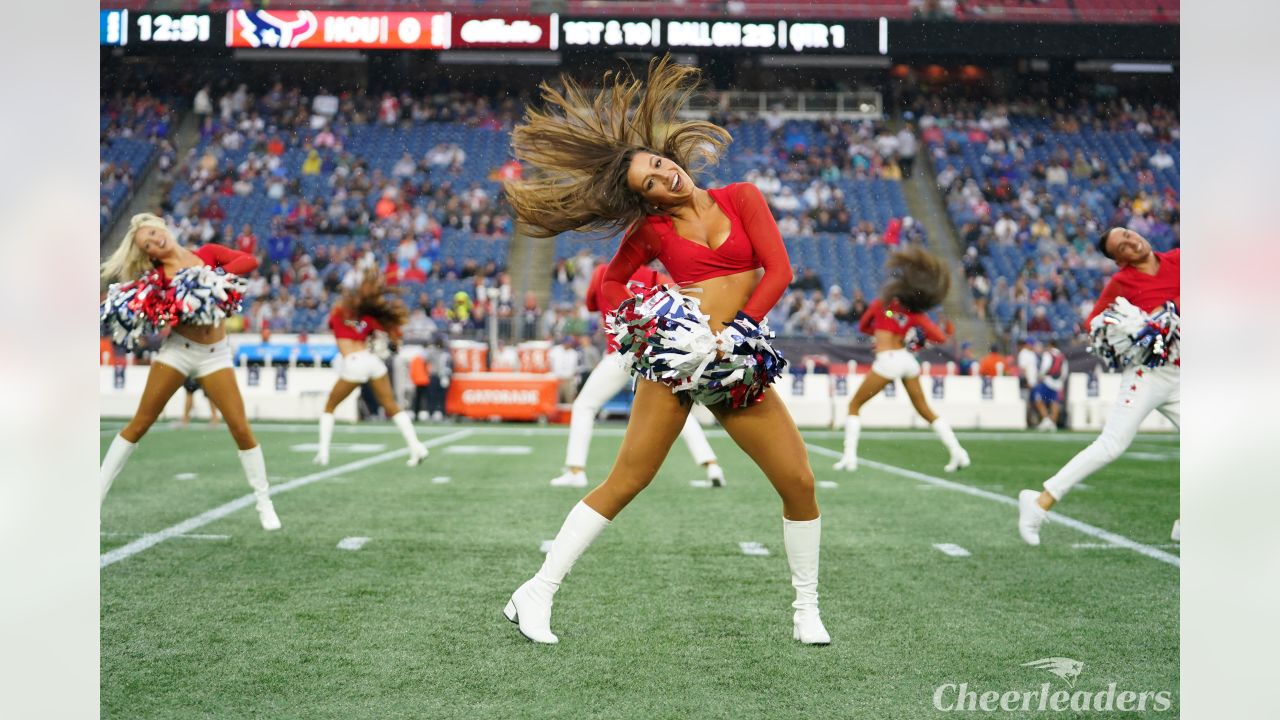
(624,159)
(363,311)
(197,346)
(918,281)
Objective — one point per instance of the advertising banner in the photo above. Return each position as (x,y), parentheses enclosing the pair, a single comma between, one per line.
(505,32)
(509,396)
(347,30)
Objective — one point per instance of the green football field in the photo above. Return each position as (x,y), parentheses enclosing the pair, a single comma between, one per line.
(676,611)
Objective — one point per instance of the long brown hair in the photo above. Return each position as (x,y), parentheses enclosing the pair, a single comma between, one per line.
(917,278)
(579,149)
(372,297)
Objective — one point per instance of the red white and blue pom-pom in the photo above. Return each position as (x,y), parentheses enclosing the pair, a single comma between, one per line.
(663,336)
(195,296)
(1123,336)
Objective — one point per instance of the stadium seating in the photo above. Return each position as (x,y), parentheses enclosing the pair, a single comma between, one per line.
(1124,153)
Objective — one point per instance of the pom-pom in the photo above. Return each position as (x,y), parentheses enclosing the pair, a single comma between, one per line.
(663,336)
(1123,336)
(195,296)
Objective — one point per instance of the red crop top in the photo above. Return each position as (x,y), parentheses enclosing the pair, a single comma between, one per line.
(753,242)
(345,328)
(219,256)
(898,321)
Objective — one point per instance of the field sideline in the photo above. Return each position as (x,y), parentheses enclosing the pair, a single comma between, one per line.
(677,611)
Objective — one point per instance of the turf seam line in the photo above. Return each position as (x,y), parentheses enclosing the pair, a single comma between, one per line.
(1087,529)
(152,539)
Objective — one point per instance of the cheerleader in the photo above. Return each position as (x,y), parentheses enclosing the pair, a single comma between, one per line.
(360,313)
(918,281)
(609,377)
(193,349)
(623,159)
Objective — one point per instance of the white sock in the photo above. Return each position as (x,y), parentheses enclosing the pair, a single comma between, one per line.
(405,424)
(580,529)
(802,539)
(326,433)
(255,471)
(852,429)
(942,429)
(117,455)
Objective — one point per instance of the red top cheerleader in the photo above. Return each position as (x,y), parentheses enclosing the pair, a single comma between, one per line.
(197,345)
(918,281)
(624,158)
(362,312)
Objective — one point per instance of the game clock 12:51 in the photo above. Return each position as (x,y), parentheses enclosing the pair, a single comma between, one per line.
(162,27)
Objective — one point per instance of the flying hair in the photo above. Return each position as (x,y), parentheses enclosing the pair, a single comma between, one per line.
(577,149)
(372,297)
(917,278)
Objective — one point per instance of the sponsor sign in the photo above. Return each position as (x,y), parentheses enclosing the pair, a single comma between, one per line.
(525,32)
(510,396)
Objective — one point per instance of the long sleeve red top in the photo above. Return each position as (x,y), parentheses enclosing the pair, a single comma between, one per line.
(233,261)
(1147,292)
(753,242)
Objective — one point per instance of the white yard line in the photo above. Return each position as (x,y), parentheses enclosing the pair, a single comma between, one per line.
(951,549)
(152,539)
(184,537)
(1090,530)
(352,543)
(1109,546)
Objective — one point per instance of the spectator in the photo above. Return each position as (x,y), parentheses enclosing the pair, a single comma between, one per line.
(1039,322)
(1047,394)
(1028,363)
(564,361)
(808,280)
(907,149)
(992,364)
(967,363)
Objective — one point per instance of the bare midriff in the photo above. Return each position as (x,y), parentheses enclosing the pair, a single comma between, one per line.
(346,346)
(722,297)
(203,334)
(886,340)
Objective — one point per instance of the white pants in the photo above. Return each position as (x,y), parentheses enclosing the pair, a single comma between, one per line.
(193,359)
(1141,391)
(896,364)
(361,366)
(608,379)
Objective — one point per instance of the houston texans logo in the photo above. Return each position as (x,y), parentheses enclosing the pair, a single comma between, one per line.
(260,28)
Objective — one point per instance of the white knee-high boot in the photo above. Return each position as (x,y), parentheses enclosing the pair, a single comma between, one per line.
(417,451)
(117,455)
(803,539)
(530,605)
(959,457)
(255,471)
(326,439)
(852,429)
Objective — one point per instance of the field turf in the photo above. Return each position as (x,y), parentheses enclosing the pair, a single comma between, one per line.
(665,616)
